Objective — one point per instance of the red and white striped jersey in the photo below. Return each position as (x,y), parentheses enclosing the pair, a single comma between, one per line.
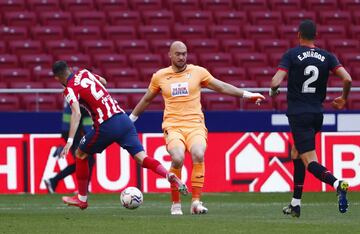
(84,87)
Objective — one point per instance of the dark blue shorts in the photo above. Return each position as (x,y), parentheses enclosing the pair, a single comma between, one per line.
(119,129)
(304,127)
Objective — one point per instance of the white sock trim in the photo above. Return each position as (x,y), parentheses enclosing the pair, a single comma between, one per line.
(82,198)
(295,202)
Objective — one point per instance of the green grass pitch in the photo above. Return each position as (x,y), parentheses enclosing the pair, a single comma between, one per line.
(228,213)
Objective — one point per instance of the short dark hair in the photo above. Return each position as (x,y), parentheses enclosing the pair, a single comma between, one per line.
(307,29)
(59,68)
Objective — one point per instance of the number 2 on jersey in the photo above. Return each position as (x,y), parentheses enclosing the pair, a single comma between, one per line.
(314,72)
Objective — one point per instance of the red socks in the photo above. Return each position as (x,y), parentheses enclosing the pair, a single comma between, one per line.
(82,175)
(155,166)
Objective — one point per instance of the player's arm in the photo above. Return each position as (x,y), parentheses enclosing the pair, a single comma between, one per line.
(225,88)
(340,102)
(276,81)
(142,105)
(74,124)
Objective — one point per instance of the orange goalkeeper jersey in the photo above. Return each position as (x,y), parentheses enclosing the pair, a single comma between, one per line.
(181,92)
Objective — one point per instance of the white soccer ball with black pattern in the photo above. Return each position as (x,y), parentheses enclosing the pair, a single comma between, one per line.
(131,198)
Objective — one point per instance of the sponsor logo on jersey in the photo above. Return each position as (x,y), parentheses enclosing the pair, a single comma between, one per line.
(180,89)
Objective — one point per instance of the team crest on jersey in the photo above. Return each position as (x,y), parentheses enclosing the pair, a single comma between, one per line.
(180,89)
(188,75)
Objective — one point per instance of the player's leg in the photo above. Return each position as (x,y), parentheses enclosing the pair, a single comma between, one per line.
(299,176)
(197,143)
(52,183)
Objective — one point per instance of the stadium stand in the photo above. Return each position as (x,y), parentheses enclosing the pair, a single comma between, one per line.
(238,41)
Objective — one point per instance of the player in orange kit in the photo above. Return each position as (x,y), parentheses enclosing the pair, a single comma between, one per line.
(183,123)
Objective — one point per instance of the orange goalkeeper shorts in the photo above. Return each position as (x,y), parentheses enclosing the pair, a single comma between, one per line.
(185,136)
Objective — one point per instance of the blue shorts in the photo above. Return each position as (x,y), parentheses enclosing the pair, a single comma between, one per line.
(304,128)
(119,129)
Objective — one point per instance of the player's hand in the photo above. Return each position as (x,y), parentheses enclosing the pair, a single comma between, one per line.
(255,97)
(65,150)
(338,103)
(273,92)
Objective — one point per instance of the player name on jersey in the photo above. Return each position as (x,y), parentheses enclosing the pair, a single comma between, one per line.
(311,54)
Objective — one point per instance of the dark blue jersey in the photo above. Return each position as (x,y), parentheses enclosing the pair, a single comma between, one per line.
(308,71)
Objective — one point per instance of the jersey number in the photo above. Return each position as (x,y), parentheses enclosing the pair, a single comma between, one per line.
(314,72)
(86,82)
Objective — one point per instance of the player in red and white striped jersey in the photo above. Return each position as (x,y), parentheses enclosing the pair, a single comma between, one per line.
(111,124)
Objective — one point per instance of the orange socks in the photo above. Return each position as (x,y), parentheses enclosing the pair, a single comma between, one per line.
(197,180)
(175,195)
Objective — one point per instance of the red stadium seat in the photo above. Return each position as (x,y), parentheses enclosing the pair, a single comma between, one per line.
(212,60)
(42,6)
(46,33)
(351,59)
(156,104)
(280,102)
(215,101)
(40,102)
(250,5)
(26,85)
(13,33)
(22,18)
(181,5)
(3,47)
(285,5)
(161,17)
(320,5)
(335,17)
(9,102)
(133,84)
(251,59)
(79,61)
(98,46)
(202,45)
(343,45)
(273,45)
(353,103)
(251,106)
(10,75)
(230,17)
(25,47)
(43,75)
(288,32)
(216,5)
(87,18)
(36,60)
(160,45)
(354,31)
(196,17)
(294,17)
(146,60)
(224,31)
(62,47)
(154,31)
(142,5)
(259,31)
(111,60)
(336,31)
(13,5)
(274,58)
(350,5)
(84,32)
(123,18)
(261,73)
(238,45)
(228,74)
(112,5)
(119,32)
(8,61)
(355,75)
(266,17)
(356,16)
(76,5)
(132,46)
(244,83)
(146,73)
(53,84)
(55,18)
(123,100)
(122,74)
(190,31)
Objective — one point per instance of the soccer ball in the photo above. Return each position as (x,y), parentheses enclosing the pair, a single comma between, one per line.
(131,198)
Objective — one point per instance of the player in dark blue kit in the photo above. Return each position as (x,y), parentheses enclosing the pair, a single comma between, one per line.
(308,69)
